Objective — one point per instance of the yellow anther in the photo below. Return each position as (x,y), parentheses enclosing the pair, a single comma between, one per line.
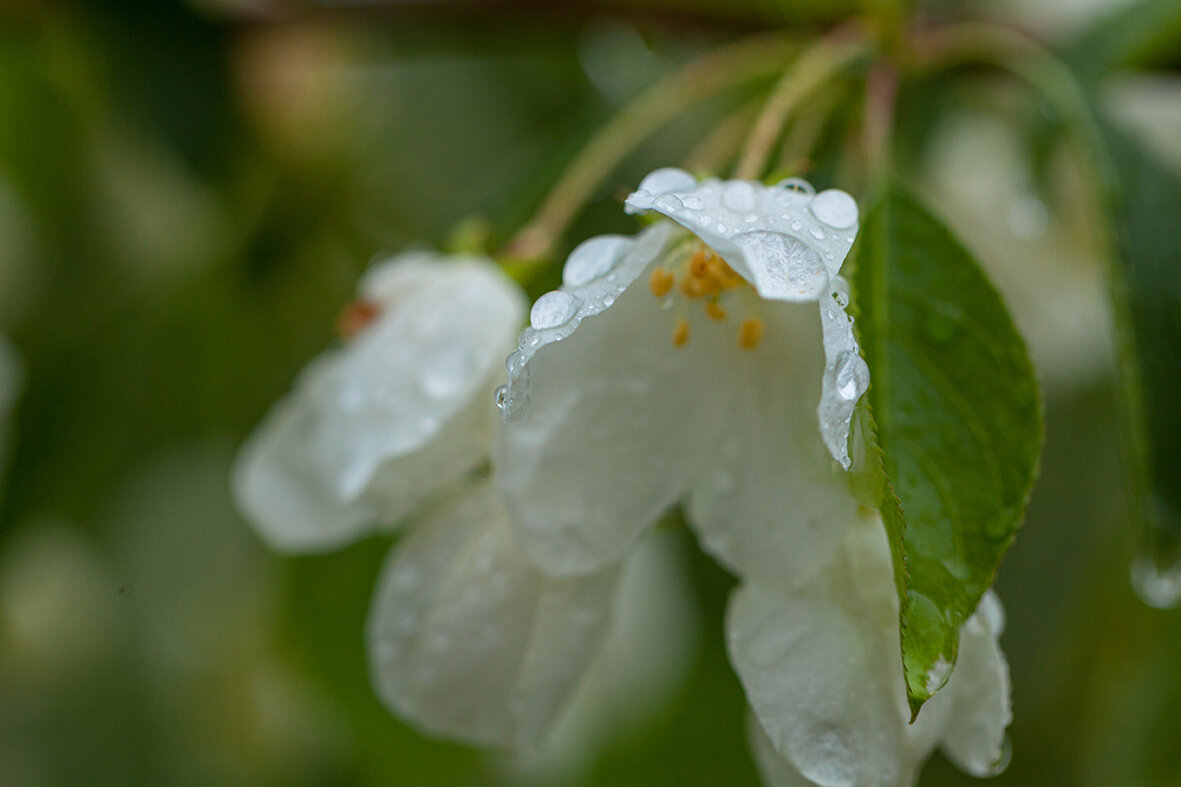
(661,281)
(699,264)
(694,287)
(715,311)
(681,332)
(750,333)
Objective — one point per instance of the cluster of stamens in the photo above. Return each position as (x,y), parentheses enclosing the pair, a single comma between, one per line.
(705,276)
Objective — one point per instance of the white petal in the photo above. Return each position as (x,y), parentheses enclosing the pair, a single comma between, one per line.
(846,375)
(609,422)
(775,769)
(974,737)
(468,640)
(772,508)
(815,680)
(373,428)
(656,183)
(649,649)
(776,238)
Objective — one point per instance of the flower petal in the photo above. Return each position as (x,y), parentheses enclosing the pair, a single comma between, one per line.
(375,427)
(789,243)
(771,507)
(974,737)
(608,421)
(784,239)
(816,685)
(468,640)
(775,769)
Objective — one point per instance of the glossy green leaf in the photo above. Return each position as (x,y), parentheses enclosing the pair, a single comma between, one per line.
(958,424)
(1146,211)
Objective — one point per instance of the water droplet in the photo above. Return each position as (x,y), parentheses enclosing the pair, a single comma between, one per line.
(668,203)
(835,208)
(608,300)
(797,226)
(552,310)
(666,179)
(751,218)
(665,303)
(705,220)
(797,185)
(721,228)
(1156,586)
(850,376)
(740,196)
(510,363)
(817,233)
(593,258)
(502,397)
(692,202)
(840,291)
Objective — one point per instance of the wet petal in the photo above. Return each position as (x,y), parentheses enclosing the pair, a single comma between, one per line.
(373,428)
(846,375)
(468,640)
(816,684)
(775,769)
(778,238)
(608,421)
(771,507)
(974,737)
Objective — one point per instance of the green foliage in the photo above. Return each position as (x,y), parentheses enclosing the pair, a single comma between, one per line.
(958,424)
(1146,204)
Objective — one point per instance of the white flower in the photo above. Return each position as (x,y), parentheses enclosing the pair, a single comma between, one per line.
(680,367)
(466,637)
(376,427)
(621,403)
(822,668)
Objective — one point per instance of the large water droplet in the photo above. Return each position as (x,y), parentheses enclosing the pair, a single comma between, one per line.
(835,208)
(740,196)
(1157,586)
(840,291)
(850,375)
(669,203)
(692,202)
(502,397)
(594,258)
(666,179)
(553,309)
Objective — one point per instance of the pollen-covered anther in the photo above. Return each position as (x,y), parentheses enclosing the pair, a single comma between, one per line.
(661,281)
(707,274)
(355,317)
(750,333)
(681,332)
(715,310)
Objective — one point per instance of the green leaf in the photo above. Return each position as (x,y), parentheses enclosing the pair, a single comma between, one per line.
(958,424)
(1129,35)
(1146,211)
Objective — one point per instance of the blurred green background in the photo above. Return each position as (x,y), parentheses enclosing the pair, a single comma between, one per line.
(188,192)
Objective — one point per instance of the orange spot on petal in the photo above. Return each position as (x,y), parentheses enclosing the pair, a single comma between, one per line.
(355,317)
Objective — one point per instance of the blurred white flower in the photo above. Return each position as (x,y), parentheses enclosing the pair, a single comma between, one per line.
(681,367)
(467,638)
(377,426)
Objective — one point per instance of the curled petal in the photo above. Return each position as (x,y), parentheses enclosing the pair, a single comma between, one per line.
(402,409)
(468,640)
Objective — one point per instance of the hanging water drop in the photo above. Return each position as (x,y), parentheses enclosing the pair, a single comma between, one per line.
(835,208)
(592,259)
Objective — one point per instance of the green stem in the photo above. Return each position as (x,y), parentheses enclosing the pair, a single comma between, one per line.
(811,69)
(714,72)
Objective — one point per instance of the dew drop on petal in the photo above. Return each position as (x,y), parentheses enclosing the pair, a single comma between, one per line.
(797,226)
(740,196)
(817,233)
(850,375)
(835,208)
(668,203)
(593,259)
(692,202)
(553,309)
(666,179)
(840,291)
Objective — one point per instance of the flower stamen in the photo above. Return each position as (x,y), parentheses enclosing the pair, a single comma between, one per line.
(681,332)
(661,281)
(750,333)
(715,310)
